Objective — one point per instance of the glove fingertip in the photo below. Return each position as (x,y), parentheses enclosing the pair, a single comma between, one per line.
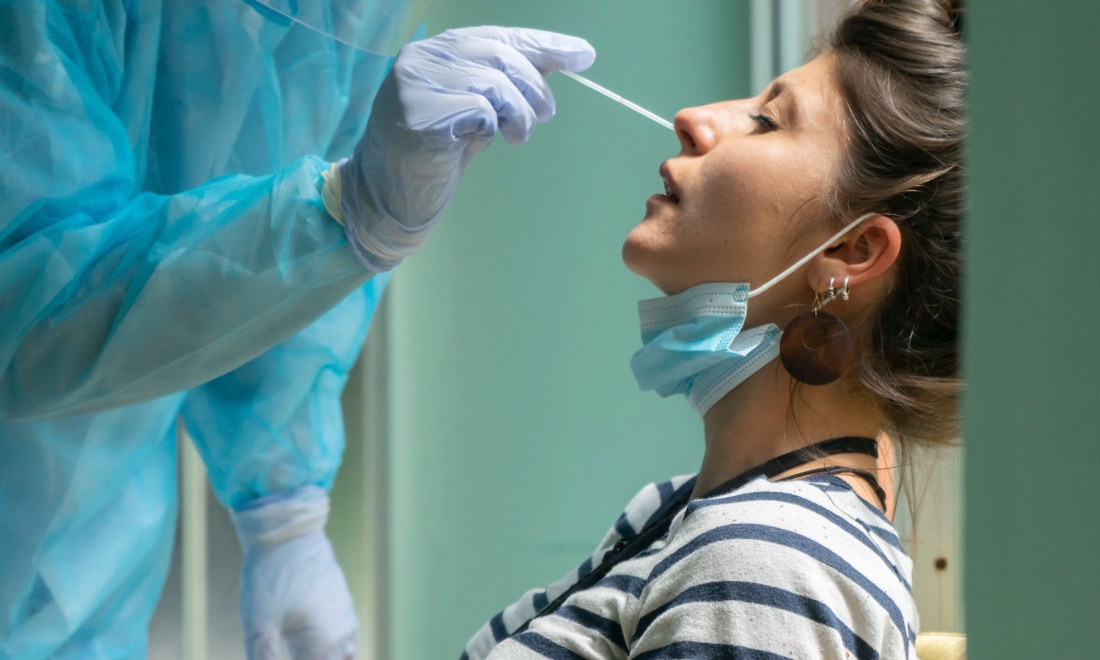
(517,126)
(579,56)
(567,53)
(350,646)
(547,113)
(515,139)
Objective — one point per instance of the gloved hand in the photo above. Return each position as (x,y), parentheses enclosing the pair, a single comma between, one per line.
(443,102)
(291,586)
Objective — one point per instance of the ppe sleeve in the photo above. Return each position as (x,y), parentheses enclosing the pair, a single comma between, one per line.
(109,297)
(274,424)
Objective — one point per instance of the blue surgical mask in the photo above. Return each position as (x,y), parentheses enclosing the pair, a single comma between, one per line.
(695,343)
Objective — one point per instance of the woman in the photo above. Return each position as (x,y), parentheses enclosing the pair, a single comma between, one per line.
(778,547)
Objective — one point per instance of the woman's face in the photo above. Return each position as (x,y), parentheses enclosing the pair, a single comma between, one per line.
(746,189)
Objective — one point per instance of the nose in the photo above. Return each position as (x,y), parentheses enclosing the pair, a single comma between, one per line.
(700,128)
(691,128)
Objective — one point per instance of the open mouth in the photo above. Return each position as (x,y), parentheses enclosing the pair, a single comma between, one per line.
(672,196)
(671,191)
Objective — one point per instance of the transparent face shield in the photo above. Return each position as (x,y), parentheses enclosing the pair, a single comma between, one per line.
(379,27)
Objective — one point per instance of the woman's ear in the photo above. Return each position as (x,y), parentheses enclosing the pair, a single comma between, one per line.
(863,255)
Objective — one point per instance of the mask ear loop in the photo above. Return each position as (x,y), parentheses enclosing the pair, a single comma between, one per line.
(802,262)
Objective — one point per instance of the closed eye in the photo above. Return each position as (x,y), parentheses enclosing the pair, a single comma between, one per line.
(764,120)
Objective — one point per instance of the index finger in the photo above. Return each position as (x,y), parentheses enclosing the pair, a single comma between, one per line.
(547,51)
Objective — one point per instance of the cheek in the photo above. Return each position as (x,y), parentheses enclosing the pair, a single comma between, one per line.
(751,189)
(735,215)
(678,252)
(732,224)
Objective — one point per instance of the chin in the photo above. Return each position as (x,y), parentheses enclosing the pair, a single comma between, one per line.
(642,259)
(635,253)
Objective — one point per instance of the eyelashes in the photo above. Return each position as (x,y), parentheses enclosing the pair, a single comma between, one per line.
(764,120)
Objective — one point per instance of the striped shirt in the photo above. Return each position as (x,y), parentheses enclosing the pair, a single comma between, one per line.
(784,569)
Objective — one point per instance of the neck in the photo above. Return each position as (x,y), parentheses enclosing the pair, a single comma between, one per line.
(759,420)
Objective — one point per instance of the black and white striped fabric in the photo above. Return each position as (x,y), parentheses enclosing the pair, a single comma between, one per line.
(785,569)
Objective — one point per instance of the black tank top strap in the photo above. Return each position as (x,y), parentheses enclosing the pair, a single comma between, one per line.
(867,476)
(801,456)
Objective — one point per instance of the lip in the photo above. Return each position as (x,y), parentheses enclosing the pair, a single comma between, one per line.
(672,191)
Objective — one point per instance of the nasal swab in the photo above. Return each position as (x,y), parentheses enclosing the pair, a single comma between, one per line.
(615,97)
(581,79)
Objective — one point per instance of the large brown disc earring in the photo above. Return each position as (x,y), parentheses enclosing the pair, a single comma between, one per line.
(816,348)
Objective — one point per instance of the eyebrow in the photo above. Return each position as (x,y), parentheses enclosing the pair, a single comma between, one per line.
(777,88)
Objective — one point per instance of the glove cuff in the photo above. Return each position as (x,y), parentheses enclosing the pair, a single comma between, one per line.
(360,223)
(330,191)
(332,198)
(275,519)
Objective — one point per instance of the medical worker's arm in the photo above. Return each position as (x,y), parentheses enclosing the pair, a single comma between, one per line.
(442,103)
(107,296)
(110,297)
(271,435)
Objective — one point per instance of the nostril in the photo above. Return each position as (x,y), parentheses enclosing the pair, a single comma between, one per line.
(685,138)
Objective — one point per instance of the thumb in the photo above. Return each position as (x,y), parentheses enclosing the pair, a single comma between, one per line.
(547,51)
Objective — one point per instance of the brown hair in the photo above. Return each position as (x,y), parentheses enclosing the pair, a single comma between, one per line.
(901,69)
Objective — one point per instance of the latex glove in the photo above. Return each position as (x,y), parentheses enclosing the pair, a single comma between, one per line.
(443,101)
(292,589)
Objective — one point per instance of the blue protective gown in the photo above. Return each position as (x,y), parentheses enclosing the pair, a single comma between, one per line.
(164,253)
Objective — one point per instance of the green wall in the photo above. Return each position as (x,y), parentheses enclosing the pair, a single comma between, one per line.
(516,430)
(1032,351)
